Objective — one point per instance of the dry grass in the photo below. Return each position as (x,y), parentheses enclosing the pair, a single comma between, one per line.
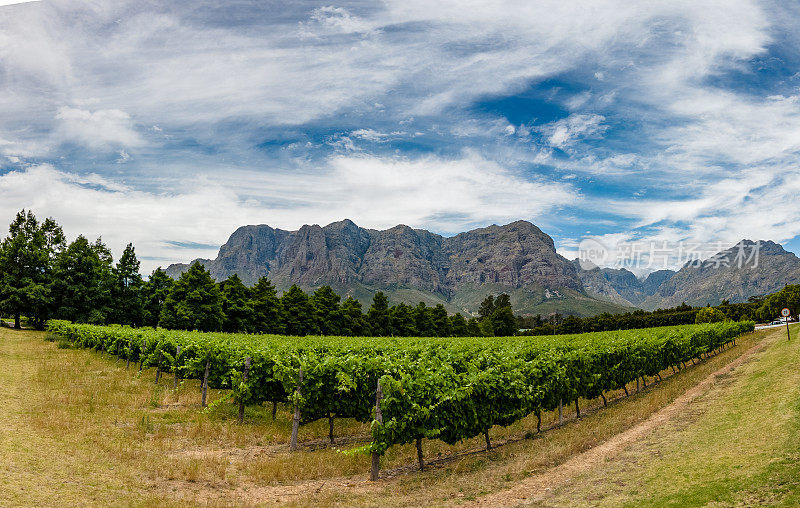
(81,429)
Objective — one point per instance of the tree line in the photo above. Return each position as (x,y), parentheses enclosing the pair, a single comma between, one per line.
(196,302)
(758,308)
(42,277)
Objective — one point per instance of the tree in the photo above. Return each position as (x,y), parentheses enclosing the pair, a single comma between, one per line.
(401,321)
(378,315)
(127,294)
(474,328)
(26,259)
(155,290)
(788,297)
(503,322)
(236,305)
(423,321)
(485,327)
(571,324)
(82,282)
(486,308)
(327,312)
(267,310)
(458,325)
(298,312)
(354,322)
(709,315)
(440,321)
(194,302)
(502,300)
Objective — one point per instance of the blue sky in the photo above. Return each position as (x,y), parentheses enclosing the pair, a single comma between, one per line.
(169,124)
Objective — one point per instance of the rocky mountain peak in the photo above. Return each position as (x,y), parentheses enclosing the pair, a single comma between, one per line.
(409,262)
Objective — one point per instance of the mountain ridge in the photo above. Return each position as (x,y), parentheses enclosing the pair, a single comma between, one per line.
(412,265)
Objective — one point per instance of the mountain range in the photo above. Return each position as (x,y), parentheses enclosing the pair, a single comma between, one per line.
(413,265)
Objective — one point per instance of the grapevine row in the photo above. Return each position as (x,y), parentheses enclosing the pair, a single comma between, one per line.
(437,388)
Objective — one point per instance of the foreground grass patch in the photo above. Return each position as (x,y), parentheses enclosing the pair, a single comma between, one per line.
(737,445)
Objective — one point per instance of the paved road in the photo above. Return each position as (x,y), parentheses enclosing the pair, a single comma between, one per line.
(764,327)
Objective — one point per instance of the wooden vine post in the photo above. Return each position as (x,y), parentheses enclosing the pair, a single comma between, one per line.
(158,368)
(205,382)
(175,368)
(419,454)
(560,412)
(376,458)
(244,380)
(296,417)
(141,356)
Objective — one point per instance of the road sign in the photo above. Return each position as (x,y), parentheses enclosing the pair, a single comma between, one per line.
(786,313)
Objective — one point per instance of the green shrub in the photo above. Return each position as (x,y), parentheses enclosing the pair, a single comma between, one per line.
(709,315)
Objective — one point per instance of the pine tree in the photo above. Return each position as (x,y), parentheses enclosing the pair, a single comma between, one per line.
(440,321)
(298,312)
(458,325)
(378,315)
(423,320)
(486,308)
(502,300)
(267,310)
(401,321)
(127,293)
(236,305)
(26,260)
(327,312)
(156,290)
(354,322)
(193,303)
(503,322)
(82,282)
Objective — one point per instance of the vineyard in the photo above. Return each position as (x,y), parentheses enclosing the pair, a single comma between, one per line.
(409,389)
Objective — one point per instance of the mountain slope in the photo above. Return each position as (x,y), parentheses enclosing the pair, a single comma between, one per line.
(729,275)
(411,265)
(619,285)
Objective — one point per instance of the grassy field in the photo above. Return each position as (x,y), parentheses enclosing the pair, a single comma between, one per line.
(81,429)
(737,444)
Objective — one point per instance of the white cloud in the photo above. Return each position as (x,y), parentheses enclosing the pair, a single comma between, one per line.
(578,100)
(369,135)
(98,129)
(334,20)
(162,64)
(565,132)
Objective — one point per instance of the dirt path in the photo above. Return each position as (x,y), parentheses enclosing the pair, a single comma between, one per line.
(538,488)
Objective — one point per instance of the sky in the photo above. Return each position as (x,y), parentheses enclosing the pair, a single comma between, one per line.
(170,124)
